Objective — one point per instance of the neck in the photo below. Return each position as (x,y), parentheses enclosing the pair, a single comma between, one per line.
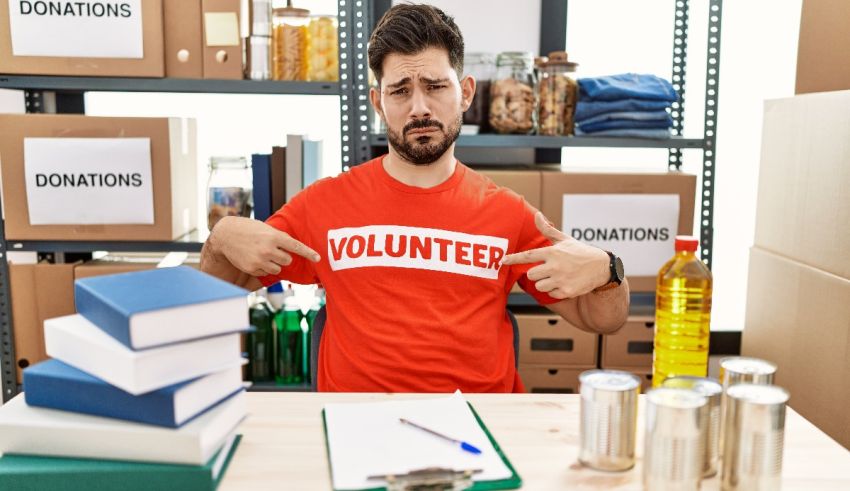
(420,176)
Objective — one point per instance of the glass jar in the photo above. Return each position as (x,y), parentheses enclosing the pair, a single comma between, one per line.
(513,94)
(322,49)
(229,189)
(482,67)
(557,95)
(289,43)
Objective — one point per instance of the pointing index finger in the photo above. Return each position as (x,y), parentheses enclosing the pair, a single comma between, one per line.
(294,246)
(527,257)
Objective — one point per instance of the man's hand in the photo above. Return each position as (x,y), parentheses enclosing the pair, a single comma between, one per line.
(256,248)
(570,268)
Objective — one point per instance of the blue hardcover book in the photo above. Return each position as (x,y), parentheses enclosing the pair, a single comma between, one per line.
(156,307)
(261,167)
(56,385)
(312,160)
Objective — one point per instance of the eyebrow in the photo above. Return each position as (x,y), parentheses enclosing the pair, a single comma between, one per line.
(434,80)
(426,80)
(404,81)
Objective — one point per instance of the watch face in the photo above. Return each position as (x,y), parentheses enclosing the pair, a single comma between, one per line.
(618,266)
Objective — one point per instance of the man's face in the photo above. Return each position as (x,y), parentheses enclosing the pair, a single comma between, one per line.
(422,102)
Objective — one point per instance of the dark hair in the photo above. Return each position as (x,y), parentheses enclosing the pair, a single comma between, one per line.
(409,29)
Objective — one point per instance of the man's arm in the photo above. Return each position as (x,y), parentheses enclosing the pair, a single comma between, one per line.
(240,250)
(571,270)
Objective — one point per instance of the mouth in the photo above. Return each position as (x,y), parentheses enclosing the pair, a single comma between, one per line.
(422,131)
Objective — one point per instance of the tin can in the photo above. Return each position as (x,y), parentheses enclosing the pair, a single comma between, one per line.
(754,437)
(259,56)
(674,439)
(712,390)
(741,369)
(609,401)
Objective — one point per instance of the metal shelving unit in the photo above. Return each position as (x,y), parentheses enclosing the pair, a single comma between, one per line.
(356,18)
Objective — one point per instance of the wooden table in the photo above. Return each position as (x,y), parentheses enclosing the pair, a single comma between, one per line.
(283,445)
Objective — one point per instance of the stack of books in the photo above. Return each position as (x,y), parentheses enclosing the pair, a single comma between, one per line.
(143,389)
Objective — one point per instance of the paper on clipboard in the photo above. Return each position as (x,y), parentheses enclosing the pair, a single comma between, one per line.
(366,439)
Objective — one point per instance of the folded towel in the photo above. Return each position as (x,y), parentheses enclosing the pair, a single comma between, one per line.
(626,86)
(657,134)
(628,116)
(589,109)
(625,124)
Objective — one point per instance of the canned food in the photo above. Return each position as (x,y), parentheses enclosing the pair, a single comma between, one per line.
(754,437)
(609,401)
(674,440)
(712,391)
(741,369)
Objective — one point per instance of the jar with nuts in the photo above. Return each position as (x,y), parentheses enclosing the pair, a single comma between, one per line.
(513,94)
(558,93)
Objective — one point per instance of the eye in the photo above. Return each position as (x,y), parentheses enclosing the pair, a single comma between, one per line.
(401,91)
(436,87)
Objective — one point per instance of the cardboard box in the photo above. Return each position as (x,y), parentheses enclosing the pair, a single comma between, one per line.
(39,292)
(222,40)
(173,175)
(631,346)
(551,340)
(52,26)
(803,208)
(823,52)
(184,39)
(640,229)
(550,380)
(525,183)
(799,318)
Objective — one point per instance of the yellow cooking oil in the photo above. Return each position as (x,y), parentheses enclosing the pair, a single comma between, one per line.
(682,314)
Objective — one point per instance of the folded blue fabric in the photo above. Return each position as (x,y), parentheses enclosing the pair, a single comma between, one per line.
(628,115)
(626,86)
(588,109)
(656,134)
(625,124)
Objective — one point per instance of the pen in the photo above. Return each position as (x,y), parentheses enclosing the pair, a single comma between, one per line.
(465,446)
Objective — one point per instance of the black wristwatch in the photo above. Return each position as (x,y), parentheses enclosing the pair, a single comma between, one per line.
(617,273)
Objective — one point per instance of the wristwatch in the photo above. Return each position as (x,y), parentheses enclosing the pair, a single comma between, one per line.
(617,273)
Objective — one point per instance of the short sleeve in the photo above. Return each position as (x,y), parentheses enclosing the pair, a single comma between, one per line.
(292,219)
(530,238)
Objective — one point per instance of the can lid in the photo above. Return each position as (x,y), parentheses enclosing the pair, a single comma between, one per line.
(758,393)
(703,385)
(676,398)
(686,243)
(609,380)
(746,365)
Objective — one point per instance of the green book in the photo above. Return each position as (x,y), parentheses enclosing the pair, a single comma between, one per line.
(36,473)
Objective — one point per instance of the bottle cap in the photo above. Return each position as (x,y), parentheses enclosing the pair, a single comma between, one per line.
(276,288)
(686,243)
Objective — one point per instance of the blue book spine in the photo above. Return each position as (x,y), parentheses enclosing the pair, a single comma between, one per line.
(103,313)
(312,160)
(261,169)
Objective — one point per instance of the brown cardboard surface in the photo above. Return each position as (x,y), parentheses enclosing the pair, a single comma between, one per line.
(174,175)
(551,340)
(183,31)
(823,51)
(631,346)
(799,318)
(230,66)
(151,65)
(550,380)
(803,208)
(39,292)
(126,263)
(556,184)
(525,183)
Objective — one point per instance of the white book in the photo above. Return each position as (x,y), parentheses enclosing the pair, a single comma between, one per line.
(50,432)
(294,166)
(76,341)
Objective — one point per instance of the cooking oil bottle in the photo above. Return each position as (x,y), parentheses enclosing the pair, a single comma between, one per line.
(682,314)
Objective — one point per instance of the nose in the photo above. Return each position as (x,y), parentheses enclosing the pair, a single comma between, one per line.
(419,108)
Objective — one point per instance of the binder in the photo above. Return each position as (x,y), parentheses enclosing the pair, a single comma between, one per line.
(222,41)
(184,39)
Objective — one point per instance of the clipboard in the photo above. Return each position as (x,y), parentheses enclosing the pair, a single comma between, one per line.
(440,479)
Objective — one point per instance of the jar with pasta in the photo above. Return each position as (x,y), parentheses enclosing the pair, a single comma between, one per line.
(322,49)
(513,94)
(557,95)
(289,43)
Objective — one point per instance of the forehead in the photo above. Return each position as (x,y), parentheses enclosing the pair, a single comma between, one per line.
(430,63)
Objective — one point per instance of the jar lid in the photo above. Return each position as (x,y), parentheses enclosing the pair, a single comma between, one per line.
(560,59)
(290,11)
(479,57)
(515,58)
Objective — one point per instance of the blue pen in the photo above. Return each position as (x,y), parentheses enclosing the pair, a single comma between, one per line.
(465,446)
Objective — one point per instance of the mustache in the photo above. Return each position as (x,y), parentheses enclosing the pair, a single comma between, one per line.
(422,123)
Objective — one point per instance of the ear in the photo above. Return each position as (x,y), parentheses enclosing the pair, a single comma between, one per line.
(375,99)
(467,91)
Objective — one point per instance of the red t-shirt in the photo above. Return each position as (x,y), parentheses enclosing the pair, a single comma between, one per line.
(415,295)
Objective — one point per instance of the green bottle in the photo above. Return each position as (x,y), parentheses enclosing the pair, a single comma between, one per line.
(261,340)
(290,341)
(318,303)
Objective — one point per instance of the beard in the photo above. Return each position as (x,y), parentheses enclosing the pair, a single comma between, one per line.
(424,149)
